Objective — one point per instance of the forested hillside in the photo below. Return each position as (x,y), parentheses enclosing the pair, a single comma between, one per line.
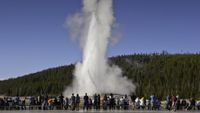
(159,74)
(51,81)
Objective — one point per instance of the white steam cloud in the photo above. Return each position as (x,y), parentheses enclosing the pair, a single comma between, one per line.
(93,26)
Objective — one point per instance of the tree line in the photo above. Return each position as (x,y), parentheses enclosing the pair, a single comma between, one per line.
(160,74)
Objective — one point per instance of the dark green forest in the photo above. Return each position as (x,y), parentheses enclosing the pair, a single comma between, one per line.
(159,73)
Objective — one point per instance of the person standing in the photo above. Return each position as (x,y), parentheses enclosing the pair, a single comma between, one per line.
(126,103)
(61,100)
(86,102)
(174,100)
(193,103)
(77,102)
(169,103)
(73,99)
(95,101)
(45,102)
(98,102)
(105,99)
(66,103)
(112,102)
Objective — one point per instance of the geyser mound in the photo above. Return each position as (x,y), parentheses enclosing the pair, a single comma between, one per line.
(94,75)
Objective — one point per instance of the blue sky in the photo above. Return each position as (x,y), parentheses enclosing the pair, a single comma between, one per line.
(33,37)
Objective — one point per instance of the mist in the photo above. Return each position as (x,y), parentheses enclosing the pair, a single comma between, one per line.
(92,27)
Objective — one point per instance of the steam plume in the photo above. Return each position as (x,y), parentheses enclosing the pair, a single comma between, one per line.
(94,75)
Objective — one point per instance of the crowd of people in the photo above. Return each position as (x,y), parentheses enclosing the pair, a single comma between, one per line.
(97,102)
(172,103)
(75,102)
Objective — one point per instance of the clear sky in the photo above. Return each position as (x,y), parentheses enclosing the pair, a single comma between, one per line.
(33,37)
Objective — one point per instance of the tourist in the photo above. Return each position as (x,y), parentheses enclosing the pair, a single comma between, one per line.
(198,105)
(188,104)
(178,103)
(142,103)
(112,102)
(105,99)
(17,102)
(148,103)
(126,103)
(61,100)
(174,99)
(183,104)
(117,103)
(137,103)
(86,102)
(45,103)
(77,102)
(98,102)
(193,103)
(90,104)
(39,101)
(73,102)
(56,104)
(51,103)
(66,103)
(122,102)
(169,103)
(95,101)
(2,104)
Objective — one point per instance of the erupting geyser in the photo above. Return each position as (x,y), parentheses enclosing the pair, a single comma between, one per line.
(94,75)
